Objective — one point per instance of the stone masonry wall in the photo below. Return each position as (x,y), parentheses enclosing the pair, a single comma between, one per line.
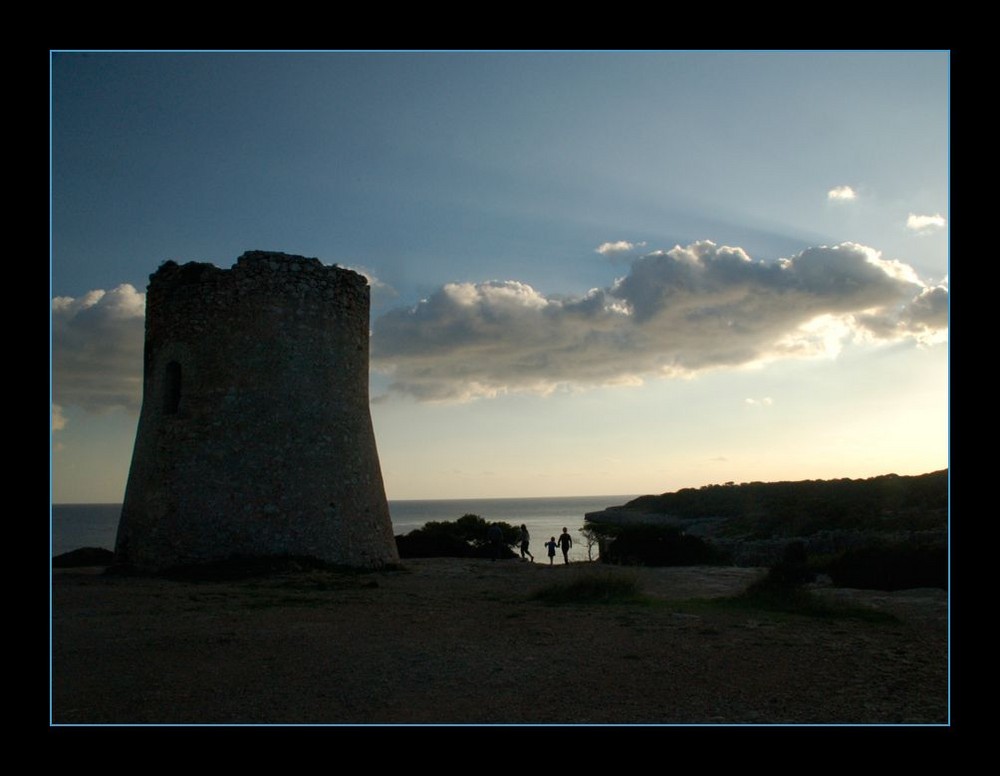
(255,435)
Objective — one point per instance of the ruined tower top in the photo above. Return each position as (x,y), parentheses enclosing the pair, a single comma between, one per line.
(255,434)
(267,271)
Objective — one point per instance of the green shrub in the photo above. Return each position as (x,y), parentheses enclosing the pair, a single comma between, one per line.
(657,545)
(891,567)
(791,571)
(463,538)
(767,597)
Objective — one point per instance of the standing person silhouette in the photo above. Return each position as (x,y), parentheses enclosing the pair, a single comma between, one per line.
(565,541)
(525,540)
(551,545)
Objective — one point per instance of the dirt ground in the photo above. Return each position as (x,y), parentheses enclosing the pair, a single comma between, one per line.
(450,641)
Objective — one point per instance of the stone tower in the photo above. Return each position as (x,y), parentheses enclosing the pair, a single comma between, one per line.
(255,436)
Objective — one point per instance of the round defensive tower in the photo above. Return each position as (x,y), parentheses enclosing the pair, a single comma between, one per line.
(255,436)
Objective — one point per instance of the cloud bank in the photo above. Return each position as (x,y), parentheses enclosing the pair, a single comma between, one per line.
(97,343)
(841,194)
(925,223)
(676,313)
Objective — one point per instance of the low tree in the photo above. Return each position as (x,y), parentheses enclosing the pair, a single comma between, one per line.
(592,539)
(466,537)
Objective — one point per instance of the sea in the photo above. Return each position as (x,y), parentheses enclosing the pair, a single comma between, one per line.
(94,525)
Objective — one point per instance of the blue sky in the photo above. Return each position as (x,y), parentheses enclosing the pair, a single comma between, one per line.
(593,272)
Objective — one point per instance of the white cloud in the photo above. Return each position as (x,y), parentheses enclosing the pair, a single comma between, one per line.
(841,194)
(676,313)
(97,342)
(621,246)
(765,402)
(925,223)
(58,419)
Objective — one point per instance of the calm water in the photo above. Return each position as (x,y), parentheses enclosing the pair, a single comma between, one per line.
(95,525)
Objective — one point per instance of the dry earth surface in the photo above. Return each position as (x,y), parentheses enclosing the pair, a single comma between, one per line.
(461,641)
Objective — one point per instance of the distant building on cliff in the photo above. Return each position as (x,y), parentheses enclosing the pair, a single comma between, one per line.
(255,436)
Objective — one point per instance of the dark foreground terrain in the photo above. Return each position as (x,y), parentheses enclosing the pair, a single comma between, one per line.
(461,641)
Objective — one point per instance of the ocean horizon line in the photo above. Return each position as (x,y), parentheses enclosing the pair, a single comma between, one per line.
(95,524)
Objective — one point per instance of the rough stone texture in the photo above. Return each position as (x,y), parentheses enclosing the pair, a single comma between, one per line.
(255,435)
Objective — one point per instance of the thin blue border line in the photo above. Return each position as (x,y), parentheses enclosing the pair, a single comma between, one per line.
(948,264)
(51,418)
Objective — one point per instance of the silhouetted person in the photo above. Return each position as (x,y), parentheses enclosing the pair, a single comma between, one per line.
(551,544)
(525,539)
(495,534)
(565,541)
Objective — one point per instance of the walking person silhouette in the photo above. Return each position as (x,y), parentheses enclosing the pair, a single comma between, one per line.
(525,540)
(565,541)
(551,545)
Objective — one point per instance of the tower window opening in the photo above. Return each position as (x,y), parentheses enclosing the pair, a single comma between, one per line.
(172,392)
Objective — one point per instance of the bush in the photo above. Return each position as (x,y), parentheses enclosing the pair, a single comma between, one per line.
(656,545)
(463,538)
(420,544)
(891,567)
(762,596)
(781,590)
(791,571)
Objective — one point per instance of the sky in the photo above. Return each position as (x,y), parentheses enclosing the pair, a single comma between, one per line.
(592,272)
